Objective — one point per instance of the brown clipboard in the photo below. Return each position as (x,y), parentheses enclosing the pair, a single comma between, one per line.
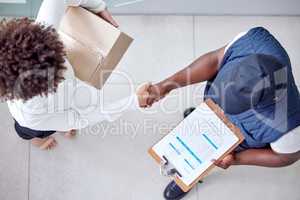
(220,113)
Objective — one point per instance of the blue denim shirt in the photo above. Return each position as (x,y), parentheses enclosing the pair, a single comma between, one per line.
(258,125)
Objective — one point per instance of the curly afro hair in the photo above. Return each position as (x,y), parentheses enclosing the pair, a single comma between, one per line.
(31,59)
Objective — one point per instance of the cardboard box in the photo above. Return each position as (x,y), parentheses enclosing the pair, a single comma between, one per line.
(94,47)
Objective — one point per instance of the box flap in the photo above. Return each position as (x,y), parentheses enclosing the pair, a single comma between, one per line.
(111,60)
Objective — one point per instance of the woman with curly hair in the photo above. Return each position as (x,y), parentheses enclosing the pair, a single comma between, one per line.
(37,81)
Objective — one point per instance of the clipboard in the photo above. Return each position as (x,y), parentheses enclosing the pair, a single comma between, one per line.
(163,161)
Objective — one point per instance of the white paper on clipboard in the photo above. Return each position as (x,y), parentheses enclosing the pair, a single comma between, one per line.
(192,145)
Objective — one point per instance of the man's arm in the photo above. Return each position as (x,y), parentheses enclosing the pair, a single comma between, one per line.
(259,157)
(202,69)
(265,158)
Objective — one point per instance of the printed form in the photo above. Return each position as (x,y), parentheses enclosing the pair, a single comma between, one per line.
(195,142)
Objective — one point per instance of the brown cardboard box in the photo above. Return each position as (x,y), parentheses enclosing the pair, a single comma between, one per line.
(94,47)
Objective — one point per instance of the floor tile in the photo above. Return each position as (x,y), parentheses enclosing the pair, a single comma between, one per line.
(14,154)
(162,45)
(107,161)
(252,183)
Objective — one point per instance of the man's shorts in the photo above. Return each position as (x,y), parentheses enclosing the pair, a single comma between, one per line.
(28,134)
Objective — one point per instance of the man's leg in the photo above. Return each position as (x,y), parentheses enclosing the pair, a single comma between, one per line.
(188,111)
(173,191)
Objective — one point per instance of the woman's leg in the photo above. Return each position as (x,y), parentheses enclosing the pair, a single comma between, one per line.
(44,143)
(41,139)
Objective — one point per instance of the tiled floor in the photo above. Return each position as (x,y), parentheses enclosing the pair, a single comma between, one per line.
(89,166)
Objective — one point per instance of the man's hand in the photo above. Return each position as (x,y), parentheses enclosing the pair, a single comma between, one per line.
(226,162)
(156,93)
(149,94)
(105,14)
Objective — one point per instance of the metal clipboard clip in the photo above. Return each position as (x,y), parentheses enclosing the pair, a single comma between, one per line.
(167,169)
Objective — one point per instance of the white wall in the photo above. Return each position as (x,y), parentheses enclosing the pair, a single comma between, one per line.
(212,7)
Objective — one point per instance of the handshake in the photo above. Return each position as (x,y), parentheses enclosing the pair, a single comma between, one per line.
(148,94)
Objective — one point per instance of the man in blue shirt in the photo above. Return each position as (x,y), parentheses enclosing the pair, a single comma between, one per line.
(251,79)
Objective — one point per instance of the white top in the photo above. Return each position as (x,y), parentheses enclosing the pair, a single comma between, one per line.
(290,142)
(76,104)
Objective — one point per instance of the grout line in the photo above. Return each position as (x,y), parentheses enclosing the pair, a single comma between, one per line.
(204,14)
(194,37)
(197,194)
(28,172)
(184,14)
(30,12)
(127,3)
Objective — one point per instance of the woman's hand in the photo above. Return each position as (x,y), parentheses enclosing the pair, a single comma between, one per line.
(105,14)
(143,94)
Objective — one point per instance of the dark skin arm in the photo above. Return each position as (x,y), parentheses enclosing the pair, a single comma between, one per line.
(259,157)
(202,69)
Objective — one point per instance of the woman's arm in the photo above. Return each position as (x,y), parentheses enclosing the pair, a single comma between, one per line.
(92,106)
(202,69)
(87,106)
(52,11)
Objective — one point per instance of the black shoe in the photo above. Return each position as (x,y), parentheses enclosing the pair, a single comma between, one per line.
(188,111)
(174,192)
